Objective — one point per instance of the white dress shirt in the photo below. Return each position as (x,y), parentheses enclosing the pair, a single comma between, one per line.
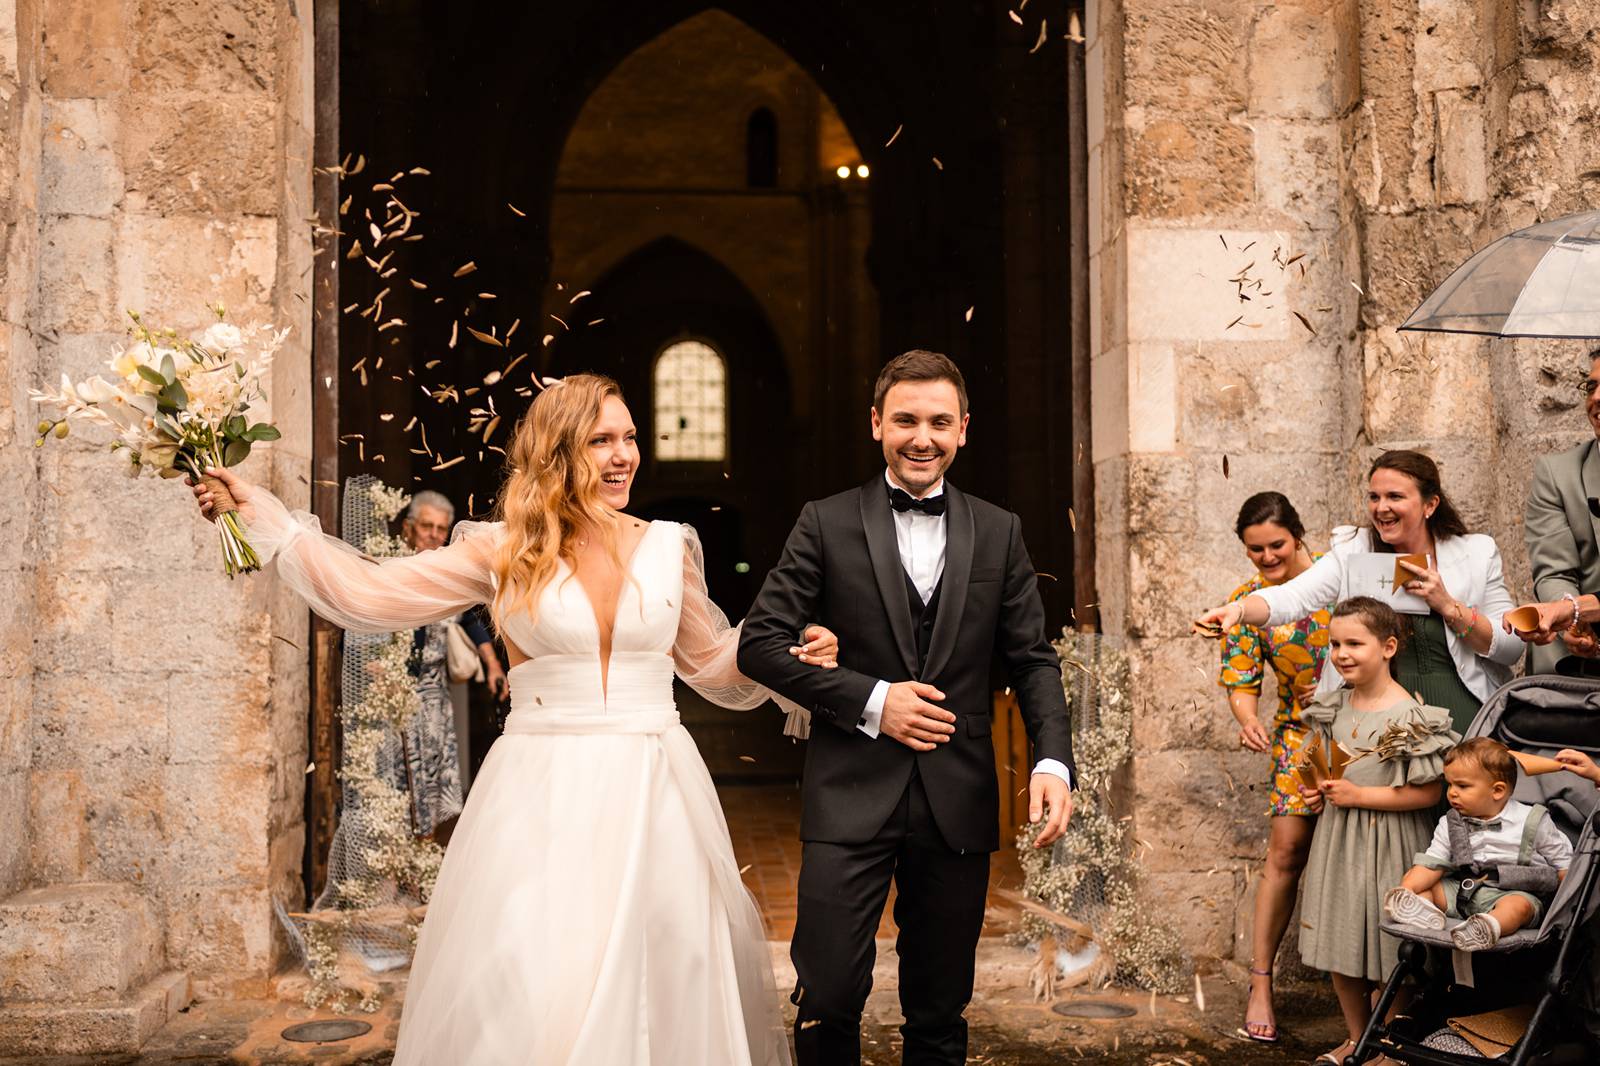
(1500,845)
(921,540)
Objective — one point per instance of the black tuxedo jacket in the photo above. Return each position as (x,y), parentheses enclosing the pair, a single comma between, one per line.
(841,568)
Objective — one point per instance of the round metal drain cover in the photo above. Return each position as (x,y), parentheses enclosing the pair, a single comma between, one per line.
(322,1032)
(1089,1008)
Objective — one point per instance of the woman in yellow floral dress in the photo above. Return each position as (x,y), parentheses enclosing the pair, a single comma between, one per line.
(1292,654)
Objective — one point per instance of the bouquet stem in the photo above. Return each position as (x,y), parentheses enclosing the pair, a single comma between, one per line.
(238,557)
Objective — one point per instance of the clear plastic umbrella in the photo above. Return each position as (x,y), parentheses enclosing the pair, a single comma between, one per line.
(1543,281)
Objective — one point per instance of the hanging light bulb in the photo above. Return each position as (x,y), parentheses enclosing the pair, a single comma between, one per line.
(843,172)
(862,171)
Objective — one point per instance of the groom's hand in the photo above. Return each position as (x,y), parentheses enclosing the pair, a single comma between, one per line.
(1048,790)
(914,722)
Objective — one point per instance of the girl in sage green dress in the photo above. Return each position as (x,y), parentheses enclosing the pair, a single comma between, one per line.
(1376,816)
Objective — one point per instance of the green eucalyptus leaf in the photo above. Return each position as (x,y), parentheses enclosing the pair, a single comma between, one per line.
(169,369)
(174,395)
(234,426)
(263,431)
(152,376)
(236,452)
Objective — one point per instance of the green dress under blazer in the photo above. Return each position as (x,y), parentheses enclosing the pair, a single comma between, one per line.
(1356,854)
(1563,536)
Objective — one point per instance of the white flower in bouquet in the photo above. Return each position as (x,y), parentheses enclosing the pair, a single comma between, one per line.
(179,406)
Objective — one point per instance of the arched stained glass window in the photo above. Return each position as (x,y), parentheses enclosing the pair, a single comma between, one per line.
(691,403)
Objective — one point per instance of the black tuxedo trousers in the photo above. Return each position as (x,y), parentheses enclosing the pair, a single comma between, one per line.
(874,810)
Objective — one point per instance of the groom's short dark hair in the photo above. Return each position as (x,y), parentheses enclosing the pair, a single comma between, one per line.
(919,365)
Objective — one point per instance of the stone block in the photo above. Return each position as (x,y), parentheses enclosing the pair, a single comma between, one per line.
(1461,165)
(1424,386)
(1292,69)
(58,821)
(76,275)
(1187,817)
(115,1028)
(1298,170)
(1152,397)
(85,47)
(221,935)
(74,617)
(171,267)
(76,943)
(210,154)
(1108,377)
(1160,494)
(1208,900)
(1180,706)
(1182,164)
(1184,57)
(99,719)
(212,724)
(127,820)
(1448,42)
(205,45)
(217,818)
(199,618)
(1166,588)
(14,870)
(81,173)
(1184,284)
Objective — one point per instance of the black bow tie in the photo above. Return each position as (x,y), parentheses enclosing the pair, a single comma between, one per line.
(901,500)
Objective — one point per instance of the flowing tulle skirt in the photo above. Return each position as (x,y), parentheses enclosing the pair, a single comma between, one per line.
(590,912)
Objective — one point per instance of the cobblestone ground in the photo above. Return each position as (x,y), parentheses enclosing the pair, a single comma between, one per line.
(1008,1027)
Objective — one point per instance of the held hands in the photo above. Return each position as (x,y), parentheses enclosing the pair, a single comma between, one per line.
(1340,793)
(1579,763)
(1429,586)
(914,722)
(1049,792)
(821,648)
(1554,619)
(241,490)
(1221,618)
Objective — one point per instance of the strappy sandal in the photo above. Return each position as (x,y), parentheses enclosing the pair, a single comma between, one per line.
(1260,1032)
(1337,1056)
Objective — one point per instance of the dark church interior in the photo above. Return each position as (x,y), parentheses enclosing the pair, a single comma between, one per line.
(739,212)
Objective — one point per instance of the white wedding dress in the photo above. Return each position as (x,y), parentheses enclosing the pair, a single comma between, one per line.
(589,910)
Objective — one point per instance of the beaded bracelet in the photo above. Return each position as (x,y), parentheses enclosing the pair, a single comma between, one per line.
(1570,598)
(1464,630)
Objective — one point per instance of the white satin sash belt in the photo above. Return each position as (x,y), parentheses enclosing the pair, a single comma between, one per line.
(561,695)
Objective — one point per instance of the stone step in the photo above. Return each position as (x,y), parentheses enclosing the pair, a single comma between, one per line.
(112,1027)
(76,943)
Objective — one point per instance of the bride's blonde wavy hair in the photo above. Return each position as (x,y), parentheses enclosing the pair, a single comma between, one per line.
(552,491)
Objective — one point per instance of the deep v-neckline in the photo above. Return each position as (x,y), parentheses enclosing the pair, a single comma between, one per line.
(603,648)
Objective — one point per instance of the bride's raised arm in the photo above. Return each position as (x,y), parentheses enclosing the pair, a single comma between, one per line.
(354,591)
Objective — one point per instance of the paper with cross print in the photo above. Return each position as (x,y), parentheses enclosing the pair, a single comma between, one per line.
(1373,574)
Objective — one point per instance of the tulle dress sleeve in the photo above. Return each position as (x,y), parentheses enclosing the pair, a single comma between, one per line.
(707,647)
(362,594)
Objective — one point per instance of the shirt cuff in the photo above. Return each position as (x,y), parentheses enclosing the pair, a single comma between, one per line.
(1056,768)
(872,716)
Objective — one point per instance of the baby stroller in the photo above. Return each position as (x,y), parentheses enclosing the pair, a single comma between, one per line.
(1552,967)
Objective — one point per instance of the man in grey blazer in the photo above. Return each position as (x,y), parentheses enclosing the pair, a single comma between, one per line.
(1563,530)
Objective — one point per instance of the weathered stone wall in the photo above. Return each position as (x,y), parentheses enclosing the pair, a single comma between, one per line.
(1330,161)
(156,156)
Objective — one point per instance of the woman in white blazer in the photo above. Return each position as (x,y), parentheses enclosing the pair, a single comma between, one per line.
(1455,655)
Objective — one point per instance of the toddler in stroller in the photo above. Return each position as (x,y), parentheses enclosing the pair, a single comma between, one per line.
(1493,861)
(1543,975)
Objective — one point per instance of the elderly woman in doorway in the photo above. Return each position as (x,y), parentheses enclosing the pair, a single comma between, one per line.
(1292,654)
(1453,656)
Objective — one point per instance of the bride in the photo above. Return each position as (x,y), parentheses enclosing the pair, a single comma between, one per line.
(589,910)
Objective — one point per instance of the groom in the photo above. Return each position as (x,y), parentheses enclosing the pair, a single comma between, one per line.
(924,585)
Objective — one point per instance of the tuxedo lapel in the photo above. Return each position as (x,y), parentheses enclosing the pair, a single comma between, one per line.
(878,520)
(958,542)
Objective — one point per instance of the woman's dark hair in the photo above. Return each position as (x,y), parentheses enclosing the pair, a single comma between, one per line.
(1446,520)
(1271,507)
(1376,615)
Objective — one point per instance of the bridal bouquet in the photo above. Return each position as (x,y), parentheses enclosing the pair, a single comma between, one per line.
(177,407)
